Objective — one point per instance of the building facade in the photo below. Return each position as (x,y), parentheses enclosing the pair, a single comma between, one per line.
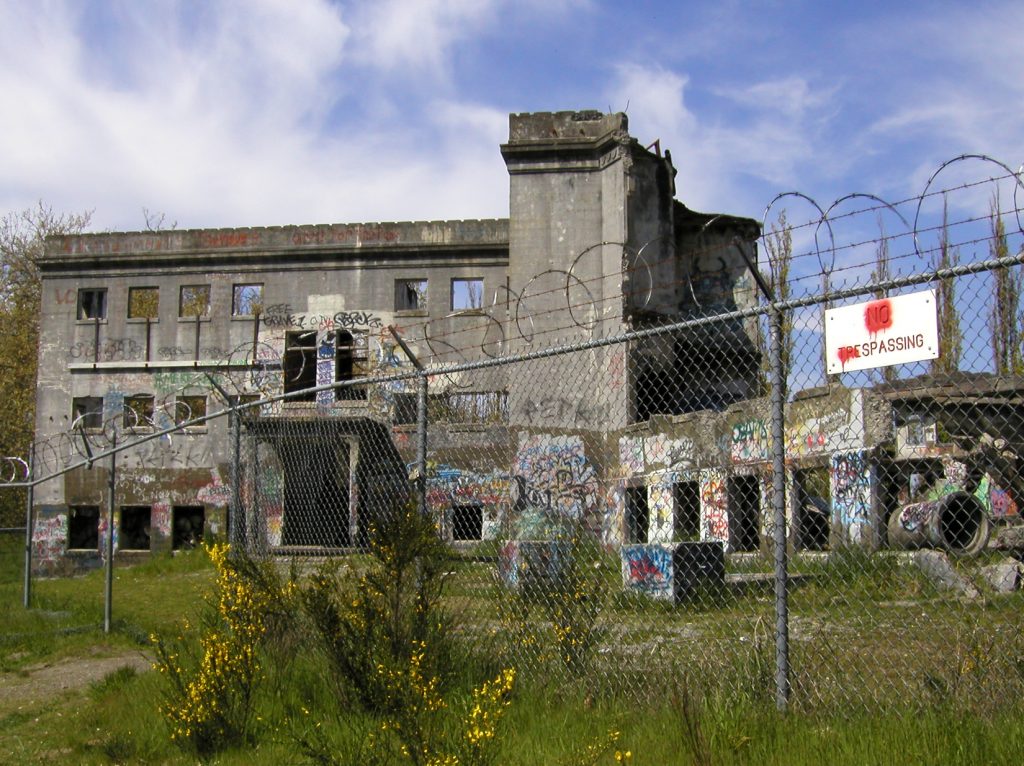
(644,442)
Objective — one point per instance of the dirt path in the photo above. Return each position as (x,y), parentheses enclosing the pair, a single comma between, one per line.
(39,683)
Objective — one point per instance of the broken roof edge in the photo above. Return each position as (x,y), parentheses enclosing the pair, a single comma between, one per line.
(485,232)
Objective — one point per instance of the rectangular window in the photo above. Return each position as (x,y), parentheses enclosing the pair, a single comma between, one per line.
(92,303)
(299,364)
(467,522)
(87,413)
(194,301)
(410,294)
(687,511)
(744,513)
(187,523)
(143,302)
(246,300)
(133,531)
(188,408)
(638,516)
(467,294)
(138,411)
(350,358)
(84,527)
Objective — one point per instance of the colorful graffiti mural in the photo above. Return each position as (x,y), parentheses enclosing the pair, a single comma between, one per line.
(749,441)
(714,505)
(648,569)
(553,475)
(850,477)
(631,455)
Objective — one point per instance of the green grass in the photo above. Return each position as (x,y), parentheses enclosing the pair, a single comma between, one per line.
(886,669)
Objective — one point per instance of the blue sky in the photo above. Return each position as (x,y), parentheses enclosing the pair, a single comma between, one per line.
(307,111)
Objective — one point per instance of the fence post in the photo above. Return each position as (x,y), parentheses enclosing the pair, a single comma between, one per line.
(778,400)
(27,595)
(238,529)
(421,440)
(108,585)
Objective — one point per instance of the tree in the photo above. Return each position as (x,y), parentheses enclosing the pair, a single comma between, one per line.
(22,243)
(780,258)
(1006,289)
(950,335)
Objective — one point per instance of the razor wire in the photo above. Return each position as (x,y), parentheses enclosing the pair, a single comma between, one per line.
(611,492)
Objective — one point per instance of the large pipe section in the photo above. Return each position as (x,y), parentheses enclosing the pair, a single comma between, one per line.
(956,523)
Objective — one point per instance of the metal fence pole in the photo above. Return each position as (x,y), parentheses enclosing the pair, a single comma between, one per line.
(27,598)
(108,585)
(238,528)
(778,399)
(421,441)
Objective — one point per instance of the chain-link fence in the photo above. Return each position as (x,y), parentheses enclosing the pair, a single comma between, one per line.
(801,487)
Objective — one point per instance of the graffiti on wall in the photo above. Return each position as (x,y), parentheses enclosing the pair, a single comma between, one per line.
(714,505)
(749,441)
(850,476)
(160,521)
(648,569)
(552,474)
(49,537)
(818,435)
(670,453)
(631,455)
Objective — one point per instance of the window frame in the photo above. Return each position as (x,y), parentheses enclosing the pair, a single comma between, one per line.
(80,311)
(181,301)
(94,426)
(179,417)
(156,311)
(142,421)
(403,291)
(256,304)
(469,309)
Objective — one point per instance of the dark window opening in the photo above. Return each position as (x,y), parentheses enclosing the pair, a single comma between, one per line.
(92,303)
(133,532)
(813,508)
(637,515)
(473,407)
(187,523)
(350,363)
(704,377)
(744,513)
(405,409)
(299,365)
(84,527)
(687,511)
(87,413)
(410,294)
(138,411)
(143,302)
(316,493)
(467,522)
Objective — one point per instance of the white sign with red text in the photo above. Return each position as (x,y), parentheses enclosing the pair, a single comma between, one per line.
(882,332)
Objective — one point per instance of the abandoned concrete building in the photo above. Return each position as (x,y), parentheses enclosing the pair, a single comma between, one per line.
(647,442)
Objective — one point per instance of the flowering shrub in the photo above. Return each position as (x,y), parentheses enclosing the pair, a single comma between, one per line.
(213,669)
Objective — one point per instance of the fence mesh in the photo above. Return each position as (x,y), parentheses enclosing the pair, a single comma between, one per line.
(607,473)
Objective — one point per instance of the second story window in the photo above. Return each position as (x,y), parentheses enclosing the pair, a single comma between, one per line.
(87,413)
(188,408)
(143,302)
(194,301)
(467,294)
(138,411)
(410,294)
(92,303)
(247,300)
